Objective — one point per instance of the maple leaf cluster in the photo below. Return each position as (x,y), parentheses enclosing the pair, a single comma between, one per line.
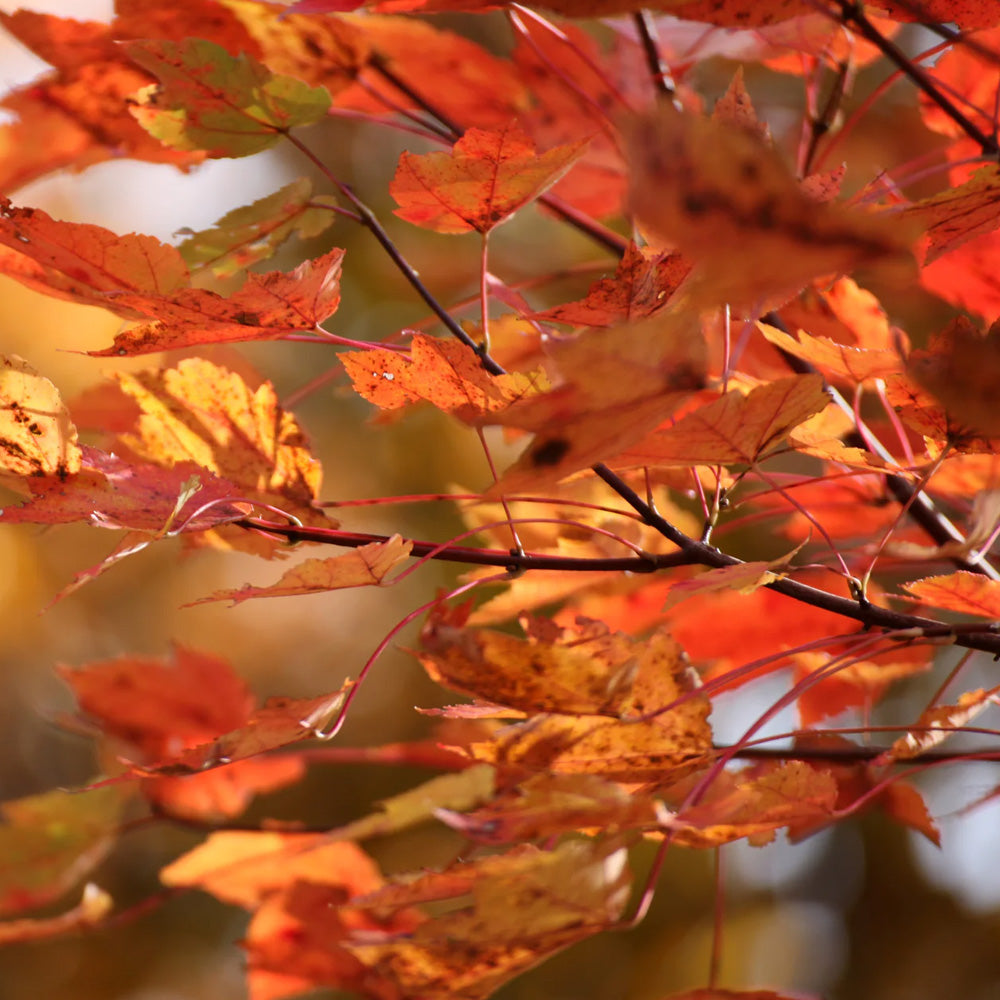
(732,366)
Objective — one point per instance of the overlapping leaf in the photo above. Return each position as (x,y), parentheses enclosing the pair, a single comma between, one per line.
(213,102)
(189,714)
(735,428)
(617,384)
(581,686)
(268,306)
(520,907)
(485,179)
(724,198)
(967,593)
(254,232)
(641,286)
(111,492)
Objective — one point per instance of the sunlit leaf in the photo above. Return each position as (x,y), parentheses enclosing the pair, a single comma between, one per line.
(224,105)
(199,412)
(964,592)
(642,285)
(445,373)
(735,428)
(485,178)
(519,908)
(266,307)
(367,566)
(37,437)
(936,724)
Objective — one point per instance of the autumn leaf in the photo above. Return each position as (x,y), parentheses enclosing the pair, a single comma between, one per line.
(641,285)
(86,263)
(939,722)
(445,373)
(854,363)
(158,709)
(110,492)
(587,689)
(546,805)
(743,577)
(199,412)
(454,793)
(724,198)
(959,214)
(266,307)
(37,437)
(735,428)
(49,842)
(254,232)
(366,566)
(224,105)
(485,178)
(484,90)
(328,52)
(964,592)
(278,723)
(519,907)
(616,385)
(959,368)
(756,803)
(244,868)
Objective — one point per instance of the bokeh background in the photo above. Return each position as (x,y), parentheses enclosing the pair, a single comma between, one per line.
(862,911)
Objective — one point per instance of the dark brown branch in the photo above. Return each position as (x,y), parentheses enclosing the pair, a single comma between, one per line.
(853,13)
(921,507)
(658,69)
(518,562)
(979,636)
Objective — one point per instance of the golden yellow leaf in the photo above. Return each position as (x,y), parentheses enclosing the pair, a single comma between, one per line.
(37,437)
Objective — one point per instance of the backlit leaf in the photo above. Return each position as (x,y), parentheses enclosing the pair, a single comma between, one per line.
(244,868)
(735,428)
(936,724)
(199,412)
(366,566)
(519,908)
(224,105)
(959,214)
(485,178)
(642,285)
(86,263)
(854,363)
(37,437)
(267,307)
(109,492)
(756,803)
(967,593)
(254,232)
(617,385)
(445,373)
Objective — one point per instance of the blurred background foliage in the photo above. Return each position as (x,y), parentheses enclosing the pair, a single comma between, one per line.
(861,912)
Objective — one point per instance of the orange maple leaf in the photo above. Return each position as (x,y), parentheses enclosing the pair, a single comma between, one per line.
(481,183)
